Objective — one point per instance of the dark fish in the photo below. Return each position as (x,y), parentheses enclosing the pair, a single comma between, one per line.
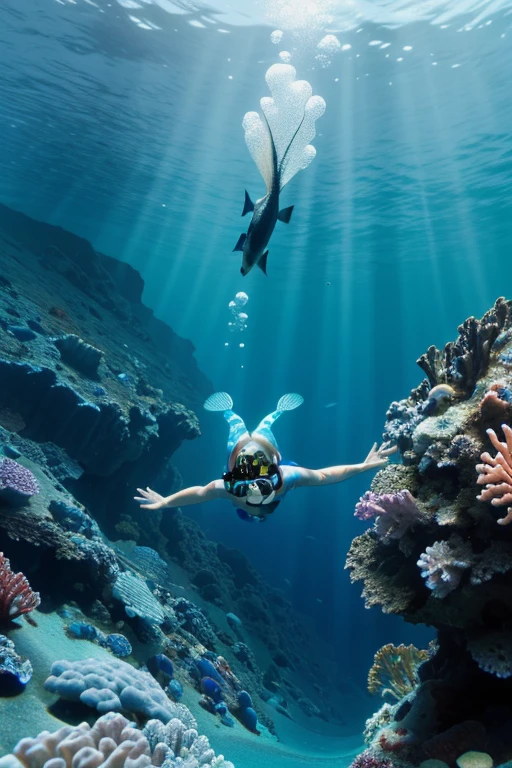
(265,212)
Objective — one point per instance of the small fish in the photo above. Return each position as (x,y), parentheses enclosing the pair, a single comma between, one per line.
(319,601)
(310,538)
(265,212)
(287,581)
(331,405)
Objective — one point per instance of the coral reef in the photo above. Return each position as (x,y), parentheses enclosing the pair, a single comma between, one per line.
(452,568)
(16,595)
(395,670)
(17,483)
(496,473)
(114,741)
(394,513)
(14,671)
(114,686)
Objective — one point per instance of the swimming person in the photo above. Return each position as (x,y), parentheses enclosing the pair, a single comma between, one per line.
(257,479)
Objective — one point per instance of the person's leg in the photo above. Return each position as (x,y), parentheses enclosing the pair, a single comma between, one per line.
(237,429)
(286,403)
(221,401)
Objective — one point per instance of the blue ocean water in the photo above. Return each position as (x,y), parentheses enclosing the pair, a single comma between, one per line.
(121,122)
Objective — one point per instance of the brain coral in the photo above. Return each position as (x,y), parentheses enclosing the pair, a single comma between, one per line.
(112,685)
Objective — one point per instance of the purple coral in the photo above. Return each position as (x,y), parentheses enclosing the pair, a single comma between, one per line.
(367,760)
(394,513)
(441,565)
(17,483)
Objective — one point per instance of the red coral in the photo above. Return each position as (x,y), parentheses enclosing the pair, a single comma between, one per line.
(16,595)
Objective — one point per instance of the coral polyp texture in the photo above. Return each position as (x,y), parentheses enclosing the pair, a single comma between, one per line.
(113,741)
(435,554)
(17,483)
(111,685)
(16,594)
(496,473)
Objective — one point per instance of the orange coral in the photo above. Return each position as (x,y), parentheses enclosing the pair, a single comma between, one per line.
(496,474)
(395,670)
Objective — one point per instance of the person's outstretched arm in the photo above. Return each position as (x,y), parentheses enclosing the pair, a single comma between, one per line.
(197,494)
(378,457)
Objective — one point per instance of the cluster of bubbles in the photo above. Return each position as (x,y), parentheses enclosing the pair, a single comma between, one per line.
(238,322)
(326,49)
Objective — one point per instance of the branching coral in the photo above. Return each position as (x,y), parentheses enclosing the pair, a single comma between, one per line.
(16,595)
(496,474)
(115,742)
(395,670)
(394,513)
(442,566)
(463,361)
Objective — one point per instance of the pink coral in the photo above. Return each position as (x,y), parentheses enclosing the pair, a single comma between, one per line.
(496,474)
(394,513)
(16,595)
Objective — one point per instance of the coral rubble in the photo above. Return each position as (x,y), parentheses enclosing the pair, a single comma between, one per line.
(444,562)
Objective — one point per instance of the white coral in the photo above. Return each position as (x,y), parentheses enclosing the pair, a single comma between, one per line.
(114,742)
(114,685)
(441,566)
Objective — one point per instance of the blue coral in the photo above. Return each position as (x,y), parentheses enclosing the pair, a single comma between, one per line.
(249,718)
(244,700)
(175,688)
(160,663)
(83,631)
(119,645)
(206,669)
(212,689)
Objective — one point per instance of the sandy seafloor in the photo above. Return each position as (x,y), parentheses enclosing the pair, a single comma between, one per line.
(31,712)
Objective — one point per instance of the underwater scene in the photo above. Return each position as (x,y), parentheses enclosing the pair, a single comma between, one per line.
(255,384)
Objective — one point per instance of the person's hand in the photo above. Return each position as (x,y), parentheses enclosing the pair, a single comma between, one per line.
(150,499)
(378,457)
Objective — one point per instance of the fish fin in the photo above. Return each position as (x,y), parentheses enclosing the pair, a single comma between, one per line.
(248,204)
(240,242)
(285,214)
(282,163)
(262,263)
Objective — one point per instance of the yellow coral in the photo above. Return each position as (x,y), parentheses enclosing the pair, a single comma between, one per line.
(395,670)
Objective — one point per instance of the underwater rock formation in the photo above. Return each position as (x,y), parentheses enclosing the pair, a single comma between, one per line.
(114,741)
(453,569)
(100,378)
